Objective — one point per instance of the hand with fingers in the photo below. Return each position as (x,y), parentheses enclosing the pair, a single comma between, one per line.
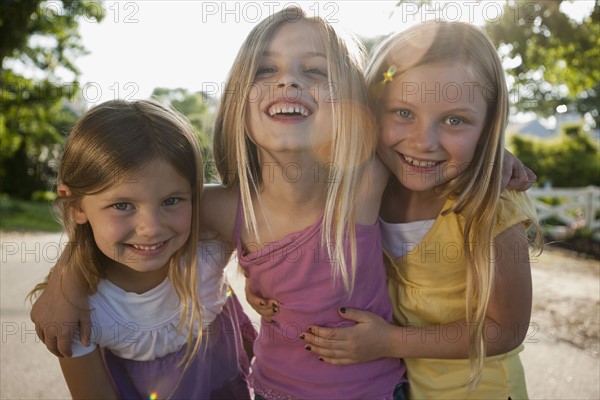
(267,308)
(365,341)
(61,301)
(515,175)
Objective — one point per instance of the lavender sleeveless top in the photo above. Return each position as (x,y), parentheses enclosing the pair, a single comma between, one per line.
(297,271)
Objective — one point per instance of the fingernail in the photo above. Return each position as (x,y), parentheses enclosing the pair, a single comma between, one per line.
(302,336)
(321,359)
(262,303)
(307,347)
(310,329)
(275,309)
(343,310)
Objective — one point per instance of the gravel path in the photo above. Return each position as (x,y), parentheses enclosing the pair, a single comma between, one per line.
(561,354)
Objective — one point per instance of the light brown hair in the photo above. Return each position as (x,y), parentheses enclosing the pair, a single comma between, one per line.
(108,144)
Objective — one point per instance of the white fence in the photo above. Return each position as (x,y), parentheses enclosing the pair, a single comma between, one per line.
(577,207)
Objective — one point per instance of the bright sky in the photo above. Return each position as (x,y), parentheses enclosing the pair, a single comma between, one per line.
(141,45)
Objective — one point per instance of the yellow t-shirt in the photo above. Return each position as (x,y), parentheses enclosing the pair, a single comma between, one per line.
(427,287)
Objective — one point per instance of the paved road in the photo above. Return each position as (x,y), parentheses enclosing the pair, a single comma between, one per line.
(555,370)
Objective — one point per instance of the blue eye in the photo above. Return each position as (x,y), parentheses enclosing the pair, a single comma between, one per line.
(121,206)
(404,113)
(171,201)
(454,121)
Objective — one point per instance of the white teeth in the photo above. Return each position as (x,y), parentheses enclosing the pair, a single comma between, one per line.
(418,163)
(153,247)
(288,109)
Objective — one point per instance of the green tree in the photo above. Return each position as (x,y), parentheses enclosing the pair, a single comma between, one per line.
(555,59)
(39,42)
(199,109)
(571,160)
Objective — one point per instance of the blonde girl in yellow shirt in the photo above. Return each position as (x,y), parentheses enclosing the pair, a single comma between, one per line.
(457,248)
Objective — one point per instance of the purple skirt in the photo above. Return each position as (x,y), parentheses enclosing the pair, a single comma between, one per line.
(218,371)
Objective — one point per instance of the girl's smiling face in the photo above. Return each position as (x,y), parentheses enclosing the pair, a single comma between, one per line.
(143,219)
(287,108)
(431,118)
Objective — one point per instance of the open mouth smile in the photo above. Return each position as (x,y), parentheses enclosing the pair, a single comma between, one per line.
(419,163)
(146,248)
(289,110)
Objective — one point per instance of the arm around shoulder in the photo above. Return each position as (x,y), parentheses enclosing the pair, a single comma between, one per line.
(219,210)
(62,305)
(506,322)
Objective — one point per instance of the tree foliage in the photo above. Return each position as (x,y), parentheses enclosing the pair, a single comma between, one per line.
(39,42)
(571,160)
(554,59)
(198,108)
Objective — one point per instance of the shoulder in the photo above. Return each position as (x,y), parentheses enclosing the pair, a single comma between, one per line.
(219,211)
(514,207)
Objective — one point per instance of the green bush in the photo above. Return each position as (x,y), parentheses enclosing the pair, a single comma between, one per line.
(43,195)
(571,160)
(21,215)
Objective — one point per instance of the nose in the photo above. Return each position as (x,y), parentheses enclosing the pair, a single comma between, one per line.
(288,84)
(290,90)
(288,77)
(424,138)
(149,223)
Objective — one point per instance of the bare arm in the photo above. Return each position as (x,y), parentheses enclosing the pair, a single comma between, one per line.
(370,191)
(62,306)
(506,324)
(87,377)
(219,211)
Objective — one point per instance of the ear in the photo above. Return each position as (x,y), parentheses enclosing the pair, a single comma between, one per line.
(63,190)
(77,212)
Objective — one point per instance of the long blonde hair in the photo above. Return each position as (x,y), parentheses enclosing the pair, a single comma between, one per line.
(477,189)
(110,142)
(353,139)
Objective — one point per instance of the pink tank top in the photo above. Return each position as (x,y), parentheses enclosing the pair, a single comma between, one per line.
(297,271)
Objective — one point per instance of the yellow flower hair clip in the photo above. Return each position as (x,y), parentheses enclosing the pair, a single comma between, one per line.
(389,74)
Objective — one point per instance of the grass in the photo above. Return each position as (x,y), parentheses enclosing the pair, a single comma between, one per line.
(27,216)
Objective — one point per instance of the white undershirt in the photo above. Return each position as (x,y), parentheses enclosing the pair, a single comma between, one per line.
(144,326)
(400,238)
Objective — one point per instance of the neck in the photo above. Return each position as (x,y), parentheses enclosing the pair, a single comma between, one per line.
(294,182)
(401,205)
(291,197)
(134,281)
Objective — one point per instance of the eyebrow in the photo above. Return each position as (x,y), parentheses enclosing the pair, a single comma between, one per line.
(398,102)
(308,54)
(130,199)
(467,110)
